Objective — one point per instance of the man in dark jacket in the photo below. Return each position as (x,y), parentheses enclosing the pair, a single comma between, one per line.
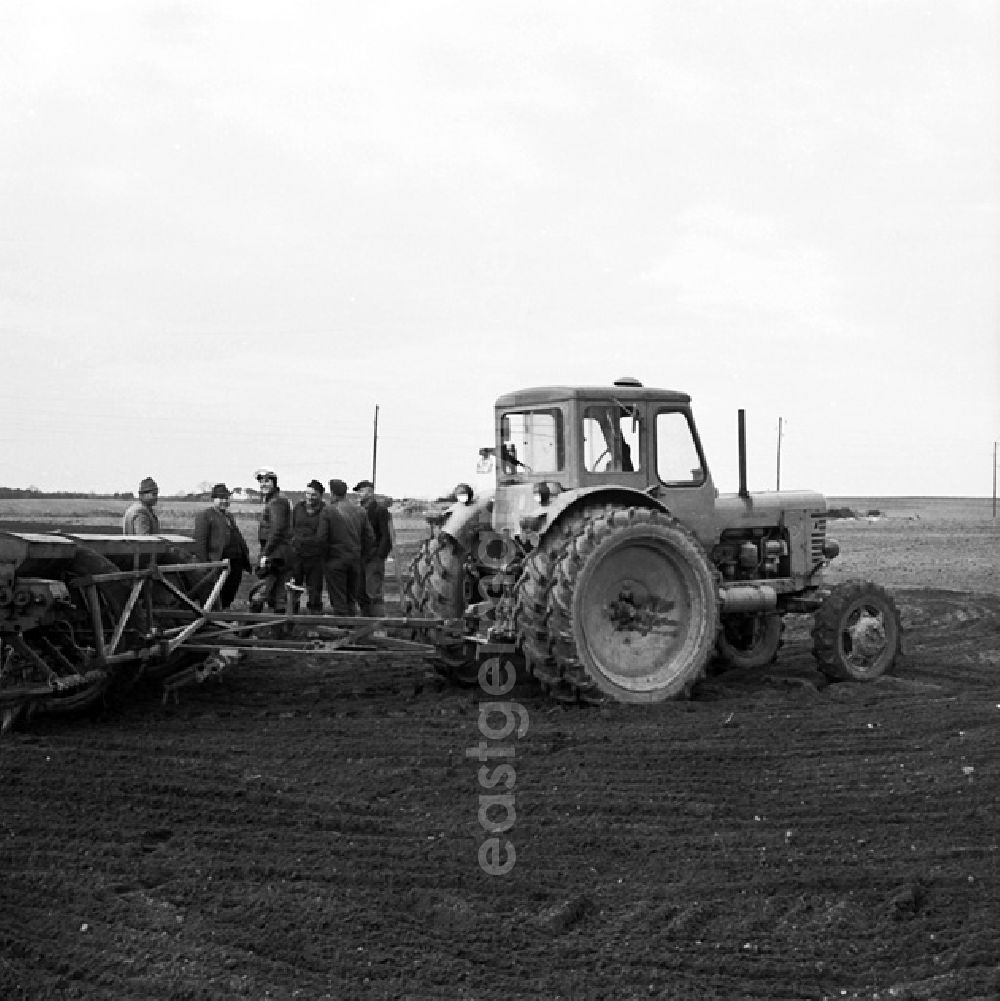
(310,541)
(373,599)
(276,554)
(351,540)
(217,537)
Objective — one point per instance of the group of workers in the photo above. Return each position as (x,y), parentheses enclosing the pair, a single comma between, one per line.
(341,545)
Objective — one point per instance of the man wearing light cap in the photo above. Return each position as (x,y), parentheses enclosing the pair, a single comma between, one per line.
(274,535)
(140,518)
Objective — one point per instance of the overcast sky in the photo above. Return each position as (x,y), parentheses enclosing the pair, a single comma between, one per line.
(229,230)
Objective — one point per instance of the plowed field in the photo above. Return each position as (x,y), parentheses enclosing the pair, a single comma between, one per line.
(308,829)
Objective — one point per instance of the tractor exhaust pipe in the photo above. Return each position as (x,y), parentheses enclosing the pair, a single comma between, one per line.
(742,438)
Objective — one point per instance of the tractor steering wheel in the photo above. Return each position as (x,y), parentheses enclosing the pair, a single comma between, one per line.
(597,462)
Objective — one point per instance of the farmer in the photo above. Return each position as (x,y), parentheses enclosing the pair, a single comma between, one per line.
(351,540)
(373,600)
(140,518)
(310,542)
(274,536)
(217,537)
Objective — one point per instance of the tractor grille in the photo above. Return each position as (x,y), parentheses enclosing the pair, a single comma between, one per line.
(818,538)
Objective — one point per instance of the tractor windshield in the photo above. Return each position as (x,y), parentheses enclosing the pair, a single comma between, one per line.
(531,441)
(610,439)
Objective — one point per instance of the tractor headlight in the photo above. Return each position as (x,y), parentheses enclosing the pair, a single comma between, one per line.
(831,549)
(463,493)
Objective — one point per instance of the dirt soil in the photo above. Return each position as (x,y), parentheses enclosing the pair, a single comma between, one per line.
(303,828)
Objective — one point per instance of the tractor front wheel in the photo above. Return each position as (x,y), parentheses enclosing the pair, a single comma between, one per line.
(856,632)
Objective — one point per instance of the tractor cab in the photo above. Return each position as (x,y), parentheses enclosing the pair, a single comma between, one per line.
(558,444)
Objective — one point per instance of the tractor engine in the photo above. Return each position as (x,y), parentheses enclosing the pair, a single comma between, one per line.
(752,554)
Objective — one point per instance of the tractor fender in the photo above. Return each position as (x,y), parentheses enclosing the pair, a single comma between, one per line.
(545,519)
(464,521)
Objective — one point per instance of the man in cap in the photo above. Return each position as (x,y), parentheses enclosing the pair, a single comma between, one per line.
(373,599)
(140,518)
(274,536)
(310,542)
(351,540)
(217,537)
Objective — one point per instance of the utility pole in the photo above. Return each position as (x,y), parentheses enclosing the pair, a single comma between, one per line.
(777,485)
(994,480)
(374,446)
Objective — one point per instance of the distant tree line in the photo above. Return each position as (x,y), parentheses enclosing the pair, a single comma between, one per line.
(34,493)
(246,494)
(7,493)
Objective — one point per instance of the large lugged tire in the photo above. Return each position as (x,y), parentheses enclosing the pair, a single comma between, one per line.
(856,632)
(534,587)
(437,589)
(634,608)
(749,640)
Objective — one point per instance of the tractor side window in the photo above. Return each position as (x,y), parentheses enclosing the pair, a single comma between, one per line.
(677,461)
(611,437)
(531,441)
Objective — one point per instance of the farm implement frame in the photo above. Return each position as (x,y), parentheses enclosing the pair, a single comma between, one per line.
(83,614)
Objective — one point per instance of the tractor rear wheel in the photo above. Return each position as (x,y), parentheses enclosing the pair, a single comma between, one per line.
(856,632)
(634,609)
(533,603)
(532,614)
(750,640)
(438,589)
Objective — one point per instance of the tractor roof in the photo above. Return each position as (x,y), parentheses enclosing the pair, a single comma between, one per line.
(537,395)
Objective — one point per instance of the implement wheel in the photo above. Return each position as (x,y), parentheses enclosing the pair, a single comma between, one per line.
(856,632)
(64,649)
(634,609)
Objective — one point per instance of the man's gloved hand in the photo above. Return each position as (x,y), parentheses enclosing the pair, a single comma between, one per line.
(262,567)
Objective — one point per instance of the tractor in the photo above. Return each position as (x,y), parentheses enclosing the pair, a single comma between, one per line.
(605,556)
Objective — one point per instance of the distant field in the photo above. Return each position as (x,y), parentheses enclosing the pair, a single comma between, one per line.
(945,542)
(180,512)
(102,515)
(902,547)
(175,516)
(938,508)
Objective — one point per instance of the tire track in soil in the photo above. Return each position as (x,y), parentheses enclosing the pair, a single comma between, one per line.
(312,828)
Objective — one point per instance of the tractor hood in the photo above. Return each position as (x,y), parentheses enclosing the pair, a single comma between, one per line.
(515,510)
(767,506)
